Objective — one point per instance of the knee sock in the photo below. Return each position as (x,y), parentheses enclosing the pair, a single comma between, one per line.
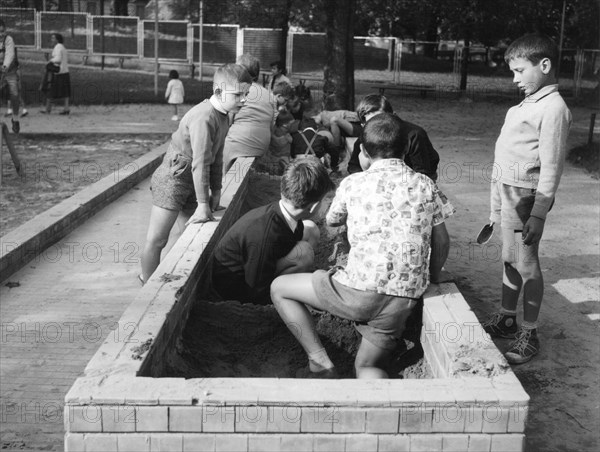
(508,312)
(529,325)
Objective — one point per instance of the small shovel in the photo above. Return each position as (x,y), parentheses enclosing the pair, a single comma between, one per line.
(485,234)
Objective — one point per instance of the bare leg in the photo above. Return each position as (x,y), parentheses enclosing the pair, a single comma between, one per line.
(370,361)
(290,295)
(512,281)
(533,281)
(161,222)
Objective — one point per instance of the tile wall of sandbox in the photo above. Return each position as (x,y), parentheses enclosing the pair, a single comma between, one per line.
(124,402)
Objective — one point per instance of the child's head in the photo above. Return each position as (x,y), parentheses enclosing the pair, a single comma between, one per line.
(277,67)
(371,105)
(532,59)
(231,84)
(305,182)
(173,74)
(282,92)
(251,63)
(382,137)
(284,119)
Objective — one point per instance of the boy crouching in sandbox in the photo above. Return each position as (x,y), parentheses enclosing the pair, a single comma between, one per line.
(395,217)
(272,240)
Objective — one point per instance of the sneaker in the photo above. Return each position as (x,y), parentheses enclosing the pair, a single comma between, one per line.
(525,347)
(24,113)
(8,112)
(16,126)
(501,325)
(174,118)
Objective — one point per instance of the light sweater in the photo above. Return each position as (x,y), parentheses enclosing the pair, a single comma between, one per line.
(531,149)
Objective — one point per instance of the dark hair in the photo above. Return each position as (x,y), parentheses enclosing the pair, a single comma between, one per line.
(305,181)
(533,47)
(173,74)
(382,137)
(283,88)
(373,103)
(280,66)
(283,118)
(251,64)
(59,37)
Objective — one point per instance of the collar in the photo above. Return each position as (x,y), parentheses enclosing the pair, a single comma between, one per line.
(540,94)
(216,104)
(292,223)
(385,163)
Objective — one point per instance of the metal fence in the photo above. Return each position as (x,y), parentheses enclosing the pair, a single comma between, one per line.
(380,59)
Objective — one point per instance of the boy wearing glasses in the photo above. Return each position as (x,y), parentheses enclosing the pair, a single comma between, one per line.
(188,182)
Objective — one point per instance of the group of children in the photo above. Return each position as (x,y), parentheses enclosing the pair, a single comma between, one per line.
(392,208)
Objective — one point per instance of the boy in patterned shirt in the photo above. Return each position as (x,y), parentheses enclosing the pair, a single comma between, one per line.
(398,244)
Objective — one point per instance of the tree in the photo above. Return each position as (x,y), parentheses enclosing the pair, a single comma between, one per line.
(338,89)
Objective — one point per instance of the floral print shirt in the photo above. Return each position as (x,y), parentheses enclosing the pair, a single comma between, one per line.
(389,211)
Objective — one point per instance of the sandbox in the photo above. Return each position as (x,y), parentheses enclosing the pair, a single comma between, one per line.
(124,402)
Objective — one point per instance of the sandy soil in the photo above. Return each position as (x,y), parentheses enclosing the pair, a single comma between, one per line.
(563,381)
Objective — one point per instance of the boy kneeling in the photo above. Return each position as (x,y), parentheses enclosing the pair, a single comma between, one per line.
(394,217)
(272,240)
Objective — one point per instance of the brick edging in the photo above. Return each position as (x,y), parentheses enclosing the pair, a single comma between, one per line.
(24,243)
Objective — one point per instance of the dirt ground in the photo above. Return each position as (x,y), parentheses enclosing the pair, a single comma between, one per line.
(563,381)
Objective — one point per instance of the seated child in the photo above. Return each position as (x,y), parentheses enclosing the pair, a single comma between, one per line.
(280,96)
(419,154)
(279,154)
(398,244)
(272,240)
(340,123)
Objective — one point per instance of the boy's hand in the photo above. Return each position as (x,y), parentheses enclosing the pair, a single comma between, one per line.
(202,214)
(532,232)
(215,199)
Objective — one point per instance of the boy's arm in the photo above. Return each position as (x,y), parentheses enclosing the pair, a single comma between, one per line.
(419,153)
(201,133)
(338,213)
(168,92)
(440,246)
(9,52)
(554,131)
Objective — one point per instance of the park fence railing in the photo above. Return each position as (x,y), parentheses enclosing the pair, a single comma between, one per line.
(376,59)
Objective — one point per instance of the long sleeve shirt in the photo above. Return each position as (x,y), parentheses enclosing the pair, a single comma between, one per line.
(199,139)
(530,151)
(7,51)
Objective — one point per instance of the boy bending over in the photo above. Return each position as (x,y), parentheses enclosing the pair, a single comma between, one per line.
(272,240)
(398,243)
(529,158)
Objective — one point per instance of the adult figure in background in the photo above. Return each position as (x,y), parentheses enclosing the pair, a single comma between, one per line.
(60,88)
(9,75)
(250,131)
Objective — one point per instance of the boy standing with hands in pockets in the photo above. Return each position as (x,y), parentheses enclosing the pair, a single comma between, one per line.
(529,159)
(191,170)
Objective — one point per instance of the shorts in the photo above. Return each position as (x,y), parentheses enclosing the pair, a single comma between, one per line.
(172,185)
(379,318)
(511,206)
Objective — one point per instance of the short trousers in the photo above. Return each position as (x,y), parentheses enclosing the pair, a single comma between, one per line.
(172,185)
(379,318)
(511,206)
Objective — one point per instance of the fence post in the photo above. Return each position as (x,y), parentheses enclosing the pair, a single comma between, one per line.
(239,42)
(37,30)
(289,57)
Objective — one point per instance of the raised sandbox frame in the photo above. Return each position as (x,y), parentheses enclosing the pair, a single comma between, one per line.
(474,403)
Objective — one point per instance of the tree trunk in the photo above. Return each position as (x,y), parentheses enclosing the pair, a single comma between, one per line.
(338,89)
(464,64)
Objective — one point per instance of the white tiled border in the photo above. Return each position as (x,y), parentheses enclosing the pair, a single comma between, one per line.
(118,405)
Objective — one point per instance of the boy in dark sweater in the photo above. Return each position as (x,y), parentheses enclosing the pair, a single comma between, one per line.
(272,240)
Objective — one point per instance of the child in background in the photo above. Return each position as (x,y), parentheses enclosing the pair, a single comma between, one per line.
(191,170)
(340,123)
(175,93)
(272,240)
(281,94)
(398,244)
(279,154)
(278,75)
(529,158)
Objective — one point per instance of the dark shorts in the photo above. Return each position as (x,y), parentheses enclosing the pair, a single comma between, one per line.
(172,185)
(379,318)
(511,206)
